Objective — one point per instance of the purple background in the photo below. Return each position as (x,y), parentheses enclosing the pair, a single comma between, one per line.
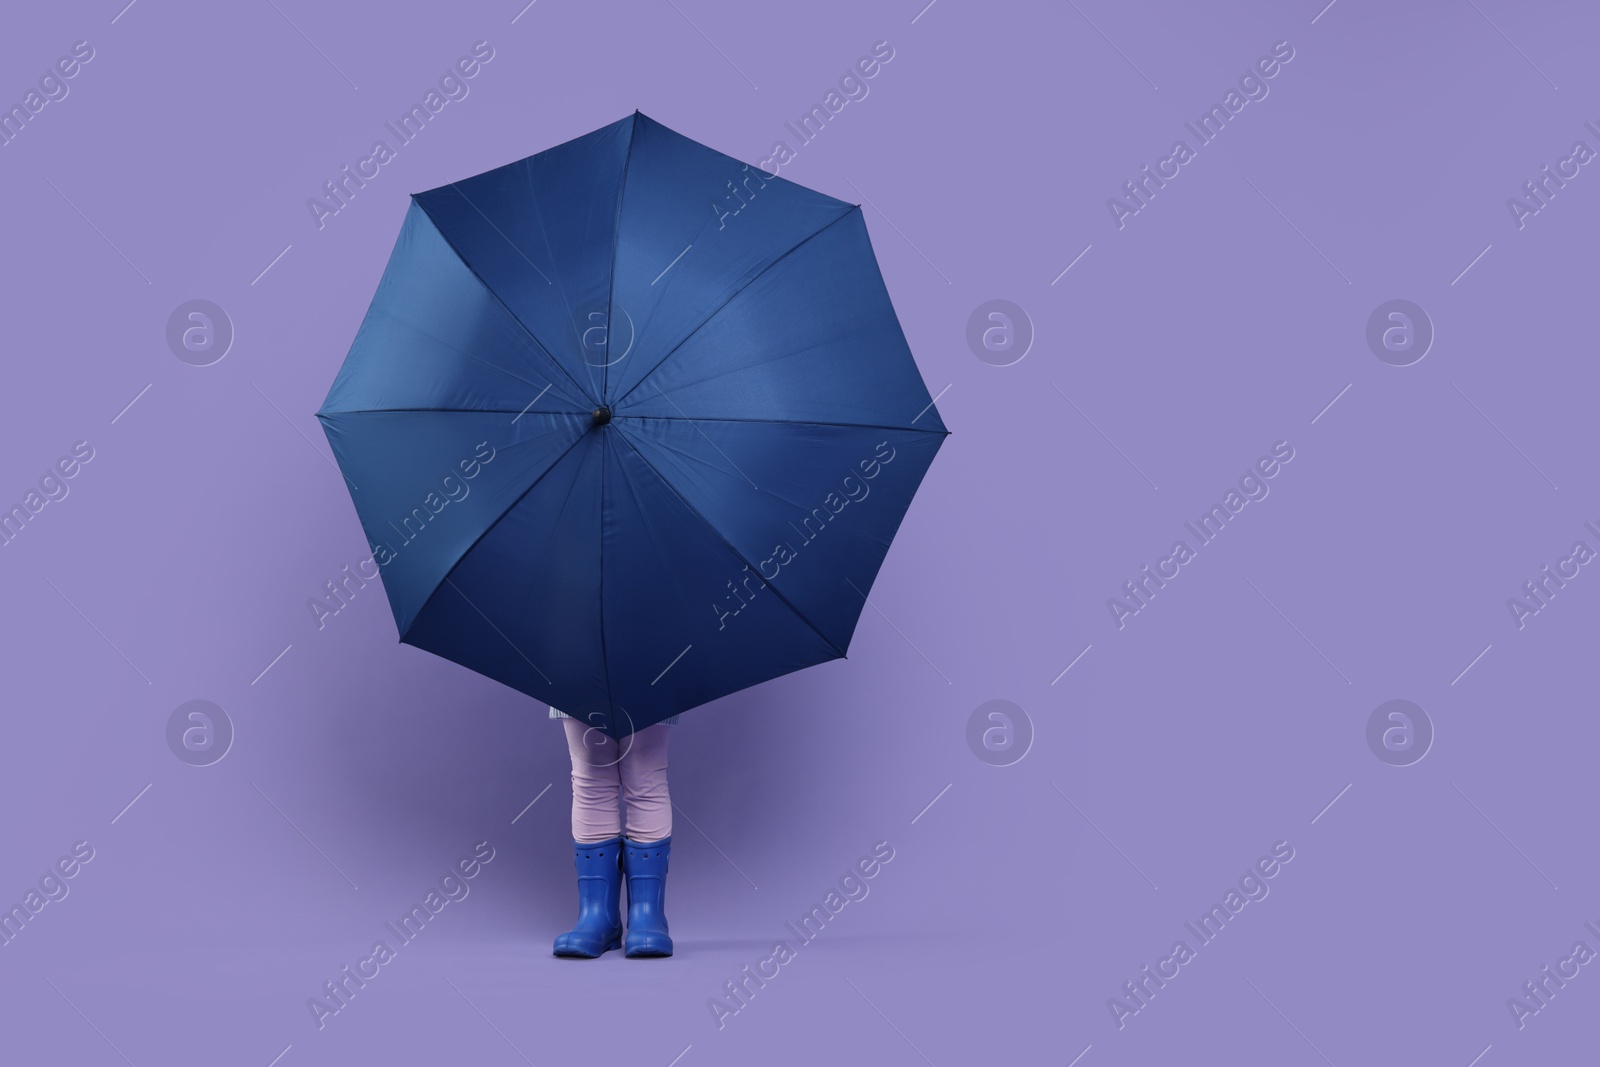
(1223,317)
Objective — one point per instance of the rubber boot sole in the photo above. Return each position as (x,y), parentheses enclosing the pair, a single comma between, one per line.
(578,954)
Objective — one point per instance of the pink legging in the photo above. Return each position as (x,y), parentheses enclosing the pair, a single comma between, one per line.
(605,770)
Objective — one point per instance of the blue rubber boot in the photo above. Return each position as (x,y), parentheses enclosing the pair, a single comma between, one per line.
(599,928)
(646,866)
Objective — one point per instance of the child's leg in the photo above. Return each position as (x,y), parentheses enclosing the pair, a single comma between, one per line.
(597,844)
(644,784)
(595,783)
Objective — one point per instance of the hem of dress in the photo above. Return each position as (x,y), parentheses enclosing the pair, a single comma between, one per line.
(671,721)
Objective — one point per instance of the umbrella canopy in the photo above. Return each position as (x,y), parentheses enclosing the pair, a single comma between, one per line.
(630,425)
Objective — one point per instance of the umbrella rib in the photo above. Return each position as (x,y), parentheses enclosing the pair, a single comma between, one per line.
(616,233)
(663,418)
(650,529)
(764,490)
(456,563)
(458,411)
(736,553)
(789,422)
(544,235)
(496,297)
(458,351)
(502,234)
(853,208)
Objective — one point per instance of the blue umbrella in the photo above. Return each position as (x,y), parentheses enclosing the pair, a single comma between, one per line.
(630,425)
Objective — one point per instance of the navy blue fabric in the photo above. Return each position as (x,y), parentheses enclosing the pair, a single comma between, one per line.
(768,425)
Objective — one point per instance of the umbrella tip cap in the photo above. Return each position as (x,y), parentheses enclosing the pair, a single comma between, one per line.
(602,415)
